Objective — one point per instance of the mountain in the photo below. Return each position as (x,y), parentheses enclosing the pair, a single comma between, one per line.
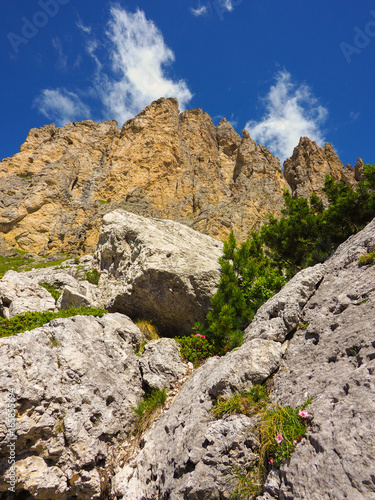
(162,163)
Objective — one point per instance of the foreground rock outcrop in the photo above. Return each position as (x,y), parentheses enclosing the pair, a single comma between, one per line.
(162,163)
(157,270)
(189,454)
(76,381)
(333,361)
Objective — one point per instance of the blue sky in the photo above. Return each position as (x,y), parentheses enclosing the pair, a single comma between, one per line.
(279,69)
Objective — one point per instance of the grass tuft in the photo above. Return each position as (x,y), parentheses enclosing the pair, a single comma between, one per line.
(280,429)
(31,320)
(147,410)
(148,329)
(367,259)
(248,403)
(92,276)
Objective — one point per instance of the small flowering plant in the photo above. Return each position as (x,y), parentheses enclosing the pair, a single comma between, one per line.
(195,348)
(279,437)
(303,414)
(282,428)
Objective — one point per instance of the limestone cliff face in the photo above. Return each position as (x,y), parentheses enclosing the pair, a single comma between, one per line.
(162,163)
(306,169)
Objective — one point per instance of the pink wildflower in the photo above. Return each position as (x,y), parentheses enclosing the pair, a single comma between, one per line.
(271,460)
(279,437)
(303,414)
(294,441)
(199,335)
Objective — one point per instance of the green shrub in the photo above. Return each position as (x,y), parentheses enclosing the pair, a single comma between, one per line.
(248,279)
(195,348)
(367,259)
(31,320)
(92,276)
(307,233)
(52,289)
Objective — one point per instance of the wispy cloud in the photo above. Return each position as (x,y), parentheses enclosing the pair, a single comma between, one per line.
(199,11)
(61,106)
(132,71)
(291,111)
(140,60)
(62,60)
(227,4)
(82,27)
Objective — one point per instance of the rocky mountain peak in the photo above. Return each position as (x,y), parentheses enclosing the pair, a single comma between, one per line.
(306,169)
(161,163)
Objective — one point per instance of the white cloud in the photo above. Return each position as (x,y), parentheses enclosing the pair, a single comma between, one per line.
(227,4)
(291,112)
(139,59)
(62,60)
(131,70)
(199,11)
(82,27)
(61,106)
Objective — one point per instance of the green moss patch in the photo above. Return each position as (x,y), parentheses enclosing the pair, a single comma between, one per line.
(31,320)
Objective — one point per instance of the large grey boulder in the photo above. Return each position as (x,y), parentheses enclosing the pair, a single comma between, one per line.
(19,294)
(157,269)
(333,361)
(76,381)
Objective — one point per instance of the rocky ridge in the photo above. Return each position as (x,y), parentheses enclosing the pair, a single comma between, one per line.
(77,379)
(162,163)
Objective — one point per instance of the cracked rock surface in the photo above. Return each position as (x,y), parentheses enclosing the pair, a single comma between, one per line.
(76,381)
(333,361)
(188,454)
(157,270)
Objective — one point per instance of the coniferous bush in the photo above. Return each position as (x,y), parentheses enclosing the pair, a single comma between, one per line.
(307,233)
(248,279)
(254,271)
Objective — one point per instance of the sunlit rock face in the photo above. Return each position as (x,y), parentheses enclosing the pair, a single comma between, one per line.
(161,163)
